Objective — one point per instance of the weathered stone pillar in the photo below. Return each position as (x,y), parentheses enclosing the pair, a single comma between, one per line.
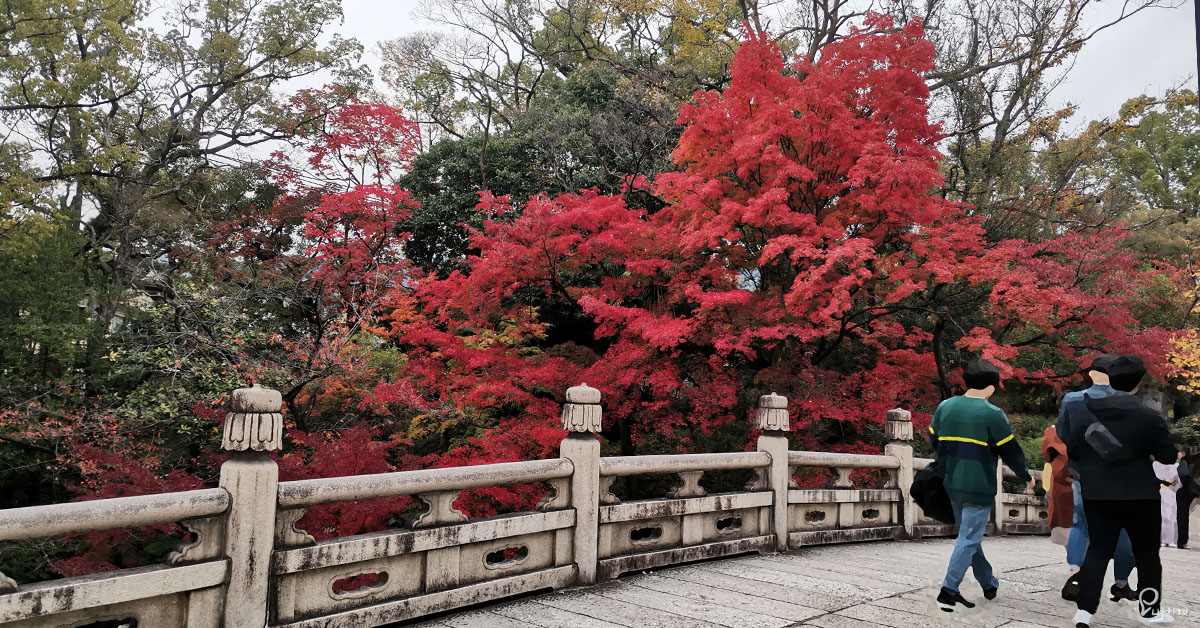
(582,418)
(772,418)
(253,427)
(899,431)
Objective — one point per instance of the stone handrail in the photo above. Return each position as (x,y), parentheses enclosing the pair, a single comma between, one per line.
(832,459)
(621,466)
(248,565)
(33,522)
(303,493)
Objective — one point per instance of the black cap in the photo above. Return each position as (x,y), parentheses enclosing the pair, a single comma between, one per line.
(1102,362)
(1125,372)
(981,367)
(980,374)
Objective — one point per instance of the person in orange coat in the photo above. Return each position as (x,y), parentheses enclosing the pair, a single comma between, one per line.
(1059,493)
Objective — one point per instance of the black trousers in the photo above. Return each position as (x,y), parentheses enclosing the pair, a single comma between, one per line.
(1183,499)
(1142,519)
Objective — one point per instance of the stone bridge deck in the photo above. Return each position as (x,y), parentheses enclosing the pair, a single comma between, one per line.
(865,585)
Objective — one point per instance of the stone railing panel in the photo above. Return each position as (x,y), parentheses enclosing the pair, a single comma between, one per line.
(688,524)
(156,595)
(1024,514)
(639,536)
(442,554)
(176,594)
(842,513)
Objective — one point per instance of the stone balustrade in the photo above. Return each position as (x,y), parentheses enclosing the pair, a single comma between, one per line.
(1014,513)
(248,564)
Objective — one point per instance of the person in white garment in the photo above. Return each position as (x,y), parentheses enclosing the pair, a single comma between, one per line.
(1168,479)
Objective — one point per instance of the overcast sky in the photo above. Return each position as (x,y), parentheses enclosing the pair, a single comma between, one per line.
(1147,54)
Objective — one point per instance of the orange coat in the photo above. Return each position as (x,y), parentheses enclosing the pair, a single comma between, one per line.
(1061,498)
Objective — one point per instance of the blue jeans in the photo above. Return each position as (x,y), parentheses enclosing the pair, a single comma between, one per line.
(1078,541)
(972,522)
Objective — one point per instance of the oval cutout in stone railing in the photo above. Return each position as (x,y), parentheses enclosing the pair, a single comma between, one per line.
(506,557)
(814,516)
(870,513)
(357,585)
(648,534)
(729,524)
(1013,513)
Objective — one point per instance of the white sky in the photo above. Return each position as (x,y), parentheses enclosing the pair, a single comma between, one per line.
(1149,53)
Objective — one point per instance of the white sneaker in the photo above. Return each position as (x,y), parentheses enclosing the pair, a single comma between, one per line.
(1161,619)
(1083,619)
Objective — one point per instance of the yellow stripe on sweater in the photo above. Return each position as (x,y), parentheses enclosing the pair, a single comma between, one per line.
(960,439)
(1005,440)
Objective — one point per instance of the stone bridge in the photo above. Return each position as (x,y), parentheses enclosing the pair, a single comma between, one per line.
(856,552)
(861,585)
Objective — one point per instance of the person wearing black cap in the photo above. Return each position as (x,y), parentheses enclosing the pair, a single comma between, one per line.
(970,434)
(1111,441)
(1077,542)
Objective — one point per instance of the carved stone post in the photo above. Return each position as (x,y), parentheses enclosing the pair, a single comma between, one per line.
(772,417)
(582,418)
(899,432)
(253,427)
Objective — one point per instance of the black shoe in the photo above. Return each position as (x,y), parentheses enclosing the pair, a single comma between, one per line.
(947,599)
(1116,593)
(1070,590)
(990,593)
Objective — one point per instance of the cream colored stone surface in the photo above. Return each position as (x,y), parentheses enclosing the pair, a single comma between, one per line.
(302,493)
(772,414)
(252,480)
(887,584)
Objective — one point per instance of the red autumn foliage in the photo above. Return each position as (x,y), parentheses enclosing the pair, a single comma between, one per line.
(800,251)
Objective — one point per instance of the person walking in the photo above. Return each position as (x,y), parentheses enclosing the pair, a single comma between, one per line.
(1056,479)
(1077,541)
(1188,491)
(1111,441)
(969,434)
(1168,480)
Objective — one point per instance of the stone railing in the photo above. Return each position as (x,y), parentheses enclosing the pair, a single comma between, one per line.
(249,565)
(1016,513)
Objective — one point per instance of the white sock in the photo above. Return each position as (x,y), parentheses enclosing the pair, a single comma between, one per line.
(1082,616)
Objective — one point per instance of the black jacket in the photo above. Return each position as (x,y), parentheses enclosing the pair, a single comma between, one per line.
(1143,435)
(1189,488)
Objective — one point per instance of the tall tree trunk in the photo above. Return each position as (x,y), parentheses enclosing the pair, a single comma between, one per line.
(940,359)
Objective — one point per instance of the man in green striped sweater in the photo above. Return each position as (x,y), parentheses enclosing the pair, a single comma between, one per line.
(970,434)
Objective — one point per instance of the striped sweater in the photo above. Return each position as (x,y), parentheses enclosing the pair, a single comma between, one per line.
(970,434)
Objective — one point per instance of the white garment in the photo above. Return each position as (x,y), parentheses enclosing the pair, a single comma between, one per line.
(1170,523)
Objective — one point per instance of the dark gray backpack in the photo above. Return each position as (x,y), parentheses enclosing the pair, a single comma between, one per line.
(1102,440)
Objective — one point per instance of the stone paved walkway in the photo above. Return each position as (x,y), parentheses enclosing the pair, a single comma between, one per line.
(866,585)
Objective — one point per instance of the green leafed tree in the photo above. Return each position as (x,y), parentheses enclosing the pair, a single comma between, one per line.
(116,110)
